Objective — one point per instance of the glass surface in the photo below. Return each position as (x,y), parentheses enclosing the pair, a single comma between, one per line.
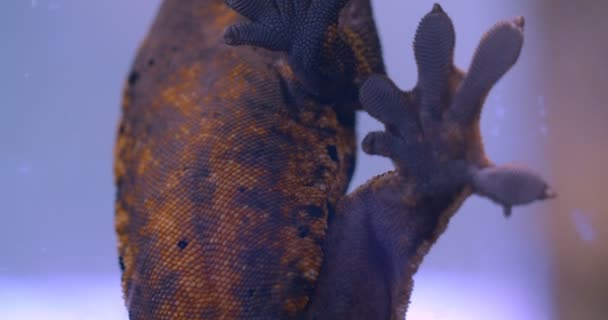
(62,70)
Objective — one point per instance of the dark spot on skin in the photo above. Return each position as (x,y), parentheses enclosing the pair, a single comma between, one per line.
(151,62)
(121,263)
(174,48)
(333,152)
(242,189)
(133,77)
(121,129)
(314,211)
(303,231)
(182,244)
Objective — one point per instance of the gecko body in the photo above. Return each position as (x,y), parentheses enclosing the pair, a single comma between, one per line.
(233,160)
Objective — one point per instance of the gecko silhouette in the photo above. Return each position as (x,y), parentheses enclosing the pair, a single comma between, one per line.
(229,170)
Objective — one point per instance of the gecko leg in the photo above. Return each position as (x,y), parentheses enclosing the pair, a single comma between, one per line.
(382,231)
(307,31)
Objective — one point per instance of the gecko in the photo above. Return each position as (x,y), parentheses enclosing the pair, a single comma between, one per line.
(369,243)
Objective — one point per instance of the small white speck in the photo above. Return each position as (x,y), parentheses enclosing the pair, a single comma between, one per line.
(43,250)
(544,129)
(495,131)
(33,3)
(27,75)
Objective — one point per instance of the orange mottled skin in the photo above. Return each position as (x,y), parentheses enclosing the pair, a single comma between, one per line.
(226,170)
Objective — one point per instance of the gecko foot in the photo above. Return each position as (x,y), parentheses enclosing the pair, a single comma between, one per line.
(432,131)
(307,30)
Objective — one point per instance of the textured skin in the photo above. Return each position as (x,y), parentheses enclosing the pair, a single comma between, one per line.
(227,166)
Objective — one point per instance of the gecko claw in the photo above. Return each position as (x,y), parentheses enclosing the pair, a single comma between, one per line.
(437,8)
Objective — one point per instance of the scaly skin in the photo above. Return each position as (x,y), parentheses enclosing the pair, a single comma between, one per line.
(229,160)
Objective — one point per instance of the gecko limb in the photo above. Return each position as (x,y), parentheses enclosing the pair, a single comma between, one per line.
(432,132)
(307,31)
(382,231)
